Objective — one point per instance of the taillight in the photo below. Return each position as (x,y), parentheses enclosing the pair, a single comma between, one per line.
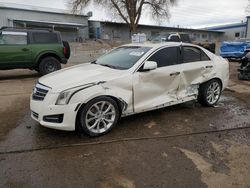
(64,51)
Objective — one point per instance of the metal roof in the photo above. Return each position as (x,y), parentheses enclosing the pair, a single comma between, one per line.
(162,27)
(15,6)
(227,26)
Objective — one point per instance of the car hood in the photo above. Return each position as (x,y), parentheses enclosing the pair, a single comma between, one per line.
(79,75)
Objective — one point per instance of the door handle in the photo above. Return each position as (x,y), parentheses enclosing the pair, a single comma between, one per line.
(209,66)
(25,49)
(175,74)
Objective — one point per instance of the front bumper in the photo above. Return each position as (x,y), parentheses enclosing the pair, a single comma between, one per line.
(40,109)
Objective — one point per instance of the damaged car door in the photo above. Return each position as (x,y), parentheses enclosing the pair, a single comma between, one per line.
(196,68)
(153,88)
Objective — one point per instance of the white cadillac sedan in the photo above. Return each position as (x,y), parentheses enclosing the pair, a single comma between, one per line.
(130,79)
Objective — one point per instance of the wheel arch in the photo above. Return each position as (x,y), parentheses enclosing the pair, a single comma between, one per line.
(47,54)
(122,106)
(202,95)
(216,78)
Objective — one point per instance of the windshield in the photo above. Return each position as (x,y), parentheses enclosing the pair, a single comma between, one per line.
(122,58)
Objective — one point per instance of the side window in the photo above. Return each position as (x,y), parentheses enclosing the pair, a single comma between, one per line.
(192,54)
(166,57)
(204,56)
(44,38)
(12,38)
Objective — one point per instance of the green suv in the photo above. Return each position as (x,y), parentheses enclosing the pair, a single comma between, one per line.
(36,49)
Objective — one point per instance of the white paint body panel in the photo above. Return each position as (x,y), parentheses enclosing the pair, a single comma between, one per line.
(148,94)
(141,91)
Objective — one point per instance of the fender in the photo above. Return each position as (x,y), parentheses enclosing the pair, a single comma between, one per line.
(84,96)
(47,52)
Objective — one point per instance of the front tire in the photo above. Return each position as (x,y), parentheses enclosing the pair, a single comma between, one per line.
(209,93)
(98,116)
(48,65)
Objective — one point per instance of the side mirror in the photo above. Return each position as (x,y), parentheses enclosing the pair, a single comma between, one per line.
(149,65)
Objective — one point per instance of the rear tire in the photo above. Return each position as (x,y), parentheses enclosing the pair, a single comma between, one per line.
(209,93)
(98,117)
(48,65)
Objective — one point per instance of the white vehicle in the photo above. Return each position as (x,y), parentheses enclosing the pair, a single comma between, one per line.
(130,79)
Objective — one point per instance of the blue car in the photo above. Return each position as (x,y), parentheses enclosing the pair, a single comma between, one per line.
(235,49)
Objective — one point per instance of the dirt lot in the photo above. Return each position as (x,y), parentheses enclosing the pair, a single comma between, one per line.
(181,146)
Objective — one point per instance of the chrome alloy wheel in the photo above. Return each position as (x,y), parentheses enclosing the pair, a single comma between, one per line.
(100,117)
(213,92)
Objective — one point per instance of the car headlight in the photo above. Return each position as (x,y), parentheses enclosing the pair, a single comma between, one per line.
(65,96)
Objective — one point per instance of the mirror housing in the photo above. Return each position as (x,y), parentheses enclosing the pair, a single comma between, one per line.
(149,65)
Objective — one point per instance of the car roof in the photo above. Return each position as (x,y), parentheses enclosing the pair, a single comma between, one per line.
(159,45)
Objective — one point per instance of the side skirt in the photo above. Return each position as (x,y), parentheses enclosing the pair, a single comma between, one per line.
(186,99)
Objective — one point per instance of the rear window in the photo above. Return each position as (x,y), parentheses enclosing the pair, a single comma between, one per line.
(192,54)
(44,38)
(204,57)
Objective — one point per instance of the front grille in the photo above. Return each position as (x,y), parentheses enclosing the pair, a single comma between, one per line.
(35,115)
(40,92)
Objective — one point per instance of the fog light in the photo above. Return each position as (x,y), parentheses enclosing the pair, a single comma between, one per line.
(54,118)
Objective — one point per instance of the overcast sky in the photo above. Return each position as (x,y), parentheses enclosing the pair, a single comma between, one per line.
(187,13)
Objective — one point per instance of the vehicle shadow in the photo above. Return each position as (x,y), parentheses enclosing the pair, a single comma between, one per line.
(17,75)
(138,125)
(180,119)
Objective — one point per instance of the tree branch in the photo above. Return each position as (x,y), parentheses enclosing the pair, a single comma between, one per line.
(119,11)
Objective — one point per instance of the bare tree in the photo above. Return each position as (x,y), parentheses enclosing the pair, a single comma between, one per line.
(130,11)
